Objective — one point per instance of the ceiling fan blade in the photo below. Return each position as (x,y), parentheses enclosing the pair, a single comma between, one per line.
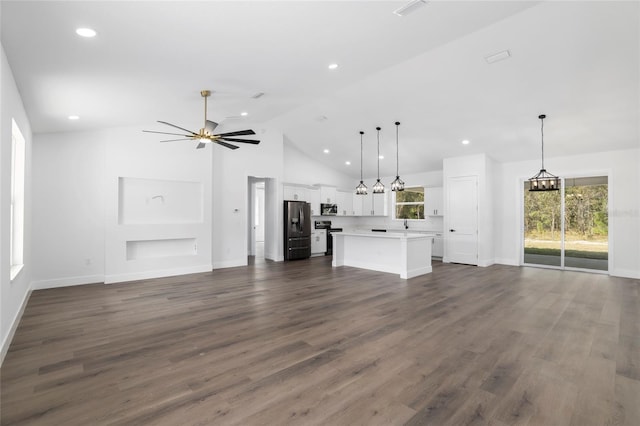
(175,140)
(177,127)
(165,133)
(241,140)
(210,126)
(228,145)
(201,145)
(238,133)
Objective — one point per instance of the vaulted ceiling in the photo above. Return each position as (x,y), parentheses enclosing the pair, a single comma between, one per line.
(578,62)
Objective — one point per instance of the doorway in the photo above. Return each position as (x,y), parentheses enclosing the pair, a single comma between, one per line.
(569,228)
(261,218)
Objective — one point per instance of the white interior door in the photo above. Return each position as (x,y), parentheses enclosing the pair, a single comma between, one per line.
(462,217)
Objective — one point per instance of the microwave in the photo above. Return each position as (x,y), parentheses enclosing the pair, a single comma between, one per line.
(328,209)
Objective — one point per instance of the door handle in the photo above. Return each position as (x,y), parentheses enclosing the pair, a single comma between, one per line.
(452,230)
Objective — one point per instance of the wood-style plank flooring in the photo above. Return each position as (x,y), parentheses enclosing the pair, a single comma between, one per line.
(306,344)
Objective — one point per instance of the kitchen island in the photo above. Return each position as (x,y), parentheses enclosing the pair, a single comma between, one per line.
(406,254)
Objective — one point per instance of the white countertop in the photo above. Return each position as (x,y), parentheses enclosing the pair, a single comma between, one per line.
(399,234)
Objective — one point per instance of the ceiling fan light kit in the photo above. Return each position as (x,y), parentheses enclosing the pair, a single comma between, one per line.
(543,180)
(206,135)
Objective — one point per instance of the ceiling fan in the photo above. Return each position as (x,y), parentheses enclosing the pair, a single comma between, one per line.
(206,135)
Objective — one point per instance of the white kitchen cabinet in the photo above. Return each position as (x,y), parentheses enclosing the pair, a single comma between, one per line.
(318,241)
(328,195)
(379,204)
(434,201)
(370,204)
(367,204)
(344,199)
(437,249)
(313,197)
(294,192)
(357,204)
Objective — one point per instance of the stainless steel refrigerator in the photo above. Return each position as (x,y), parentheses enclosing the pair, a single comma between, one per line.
(297,230)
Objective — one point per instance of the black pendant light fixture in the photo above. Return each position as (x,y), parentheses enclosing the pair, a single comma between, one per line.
(362,188)
(378,187)
(397,184)
(544,181)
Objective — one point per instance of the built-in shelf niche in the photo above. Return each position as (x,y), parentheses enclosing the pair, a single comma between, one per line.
(156,201)
(153,249)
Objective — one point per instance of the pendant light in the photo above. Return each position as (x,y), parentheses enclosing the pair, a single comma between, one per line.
(397,184)
(378,187)
(544,181)
(362,188)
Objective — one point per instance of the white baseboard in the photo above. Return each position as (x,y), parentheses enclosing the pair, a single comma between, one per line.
(485,263)
(508,262)
(418,271)
(14,326)
(66,282)
(134,276)
(625,273)
(230,263)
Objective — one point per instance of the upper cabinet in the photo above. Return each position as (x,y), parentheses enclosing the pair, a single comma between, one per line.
(294,192)
(370,204)
(344,200)
(379,205)
(313,197)
(310,194)
(349,204)
(434,201)
(328,195)
(357,202)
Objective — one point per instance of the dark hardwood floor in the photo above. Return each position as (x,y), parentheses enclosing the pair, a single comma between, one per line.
(303,343)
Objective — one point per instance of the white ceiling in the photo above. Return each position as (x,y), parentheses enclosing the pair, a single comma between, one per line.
(578,62)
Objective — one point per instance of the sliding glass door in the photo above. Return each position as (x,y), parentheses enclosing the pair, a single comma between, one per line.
(542,227)
(568,228)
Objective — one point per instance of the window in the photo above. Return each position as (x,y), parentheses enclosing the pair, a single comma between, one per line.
(16,245)
(409,204)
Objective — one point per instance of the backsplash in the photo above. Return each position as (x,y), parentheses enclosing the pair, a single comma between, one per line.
(433,223)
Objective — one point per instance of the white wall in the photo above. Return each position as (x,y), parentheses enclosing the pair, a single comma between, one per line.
(131,153)
(78,237)
(68,208)
(13,294)
(231,171)
(624,204)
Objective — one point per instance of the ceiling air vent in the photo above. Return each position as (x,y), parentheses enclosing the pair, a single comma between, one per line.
(500,56)
(409,7)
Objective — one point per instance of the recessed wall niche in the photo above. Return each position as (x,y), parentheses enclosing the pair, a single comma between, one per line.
(156,201)
(151,249)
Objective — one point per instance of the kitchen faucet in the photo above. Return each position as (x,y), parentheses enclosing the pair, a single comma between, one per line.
(406,226)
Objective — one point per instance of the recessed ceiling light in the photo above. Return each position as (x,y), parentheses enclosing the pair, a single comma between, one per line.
(73,117)
(348,163)
(333,66)
(244,113)
(326,151)
(381,157)
(465,142)
(86,32)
